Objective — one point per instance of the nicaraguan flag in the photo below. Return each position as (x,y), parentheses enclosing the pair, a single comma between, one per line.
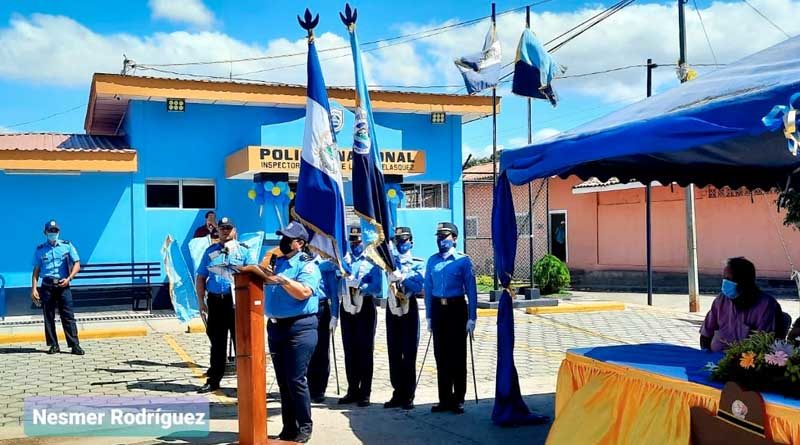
(369,194)
(534,69)
(482,70)
(319,202)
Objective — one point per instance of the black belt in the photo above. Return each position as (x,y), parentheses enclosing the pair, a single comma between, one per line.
(50,281)
(444,301)
(216,295)
(289,320)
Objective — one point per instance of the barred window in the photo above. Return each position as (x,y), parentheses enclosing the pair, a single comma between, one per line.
(471,227)
(180,194)
(425,196)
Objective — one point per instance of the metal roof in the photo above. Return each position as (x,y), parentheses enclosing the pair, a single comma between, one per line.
(63,142)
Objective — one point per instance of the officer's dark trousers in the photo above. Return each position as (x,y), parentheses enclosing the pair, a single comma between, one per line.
(358,337)
(320,367)
(450,348)
(402,338)
(291,344)
(53,297)
(221,320)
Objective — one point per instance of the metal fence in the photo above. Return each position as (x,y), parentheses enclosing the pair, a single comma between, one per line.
(530,204)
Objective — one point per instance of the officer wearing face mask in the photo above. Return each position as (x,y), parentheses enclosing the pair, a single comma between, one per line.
(402,320)
(218,305)
(57,262)
(291,303)
(449,275)
(358,314)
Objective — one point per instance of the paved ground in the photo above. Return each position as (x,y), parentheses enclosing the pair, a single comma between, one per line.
(171,362)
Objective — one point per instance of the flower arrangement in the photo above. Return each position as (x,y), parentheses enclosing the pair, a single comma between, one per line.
(761,363)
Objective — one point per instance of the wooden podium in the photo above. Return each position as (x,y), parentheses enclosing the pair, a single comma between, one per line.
(251,359)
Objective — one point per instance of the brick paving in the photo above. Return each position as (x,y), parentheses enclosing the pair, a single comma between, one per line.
(173,363)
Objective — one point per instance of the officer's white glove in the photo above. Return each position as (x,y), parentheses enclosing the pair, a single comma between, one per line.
(430,326)
(470,326)
(334,321)
(396,276)
(352,281)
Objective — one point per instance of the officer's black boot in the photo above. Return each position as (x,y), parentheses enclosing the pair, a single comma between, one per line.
(54,349)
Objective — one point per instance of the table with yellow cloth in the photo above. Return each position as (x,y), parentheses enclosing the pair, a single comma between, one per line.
(641,394)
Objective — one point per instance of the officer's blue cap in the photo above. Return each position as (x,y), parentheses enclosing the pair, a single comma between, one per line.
(50,225)
(446,228)
(225,221)
(402,233)
(354,233)
(294,230)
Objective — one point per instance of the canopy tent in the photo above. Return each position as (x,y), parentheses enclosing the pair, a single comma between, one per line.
(707,131)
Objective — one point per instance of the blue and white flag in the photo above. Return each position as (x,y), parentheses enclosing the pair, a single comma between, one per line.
(369,195)
(319,202)
(534,69)
(181,281)
(482,70)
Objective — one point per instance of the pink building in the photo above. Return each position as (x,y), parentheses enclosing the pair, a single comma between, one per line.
(604,226)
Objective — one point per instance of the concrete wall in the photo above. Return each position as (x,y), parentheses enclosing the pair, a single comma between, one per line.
(607,230)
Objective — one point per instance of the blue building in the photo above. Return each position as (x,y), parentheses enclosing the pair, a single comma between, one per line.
(158,153)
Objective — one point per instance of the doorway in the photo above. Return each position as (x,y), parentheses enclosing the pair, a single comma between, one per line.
(558,234)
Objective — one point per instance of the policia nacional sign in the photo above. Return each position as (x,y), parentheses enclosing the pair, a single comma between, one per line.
(266,159)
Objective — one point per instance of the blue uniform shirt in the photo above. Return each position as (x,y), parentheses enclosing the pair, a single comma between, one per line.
(301,268)
(329,286)
(213,256)
(370,276)
(55,260)
(453,276)
(414,273)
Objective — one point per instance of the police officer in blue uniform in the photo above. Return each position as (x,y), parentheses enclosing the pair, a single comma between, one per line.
(402,320)
(57,262)
(449,275)
(291,304)
(359,319)
(319,369)
(215,285)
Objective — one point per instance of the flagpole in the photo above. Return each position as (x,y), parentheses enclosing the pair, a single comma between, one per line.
(494,134)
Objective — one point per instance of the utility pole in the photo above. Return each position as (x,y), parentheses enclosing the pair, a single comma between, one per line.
(647,203)
(494,136)
(530,186)
(691,232)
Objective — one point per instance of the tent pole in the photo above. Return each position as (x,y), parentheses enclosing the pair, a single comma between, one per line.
(494,141)
(648,204)
(691,228)
(530,186)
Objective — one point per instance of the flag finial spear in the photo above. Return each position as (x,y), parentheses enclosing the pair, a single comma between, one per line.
(308,23)
(349,17)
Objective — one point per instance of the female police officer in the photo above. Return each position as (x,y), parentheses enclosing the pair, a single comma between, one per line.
(291,294)
(448,276)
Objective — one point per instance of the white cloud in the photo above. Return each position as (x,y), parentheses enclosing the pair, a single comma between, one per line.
(478,152)
(193,12)
(6,130)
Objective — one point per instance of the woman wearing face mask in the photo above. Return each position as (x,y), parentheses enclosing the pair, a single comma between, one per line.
(365,287)
(449,275)
(291,298)
(740,309)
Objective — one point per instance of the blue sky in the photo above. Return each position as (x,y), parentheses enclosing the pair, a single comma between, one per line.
(48,50)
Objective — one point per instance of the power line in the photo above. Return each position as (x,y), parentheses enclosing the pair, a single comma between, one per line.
(713,55)
(767,19)
(425,34)
(46,117)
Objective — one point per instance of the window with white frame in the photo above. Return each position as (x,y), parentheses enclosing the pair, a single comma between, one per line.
(181,194)
(424,196)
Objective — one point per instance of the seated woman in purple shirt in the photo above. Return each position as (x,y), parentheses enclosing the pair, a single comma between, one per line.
(740,309)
